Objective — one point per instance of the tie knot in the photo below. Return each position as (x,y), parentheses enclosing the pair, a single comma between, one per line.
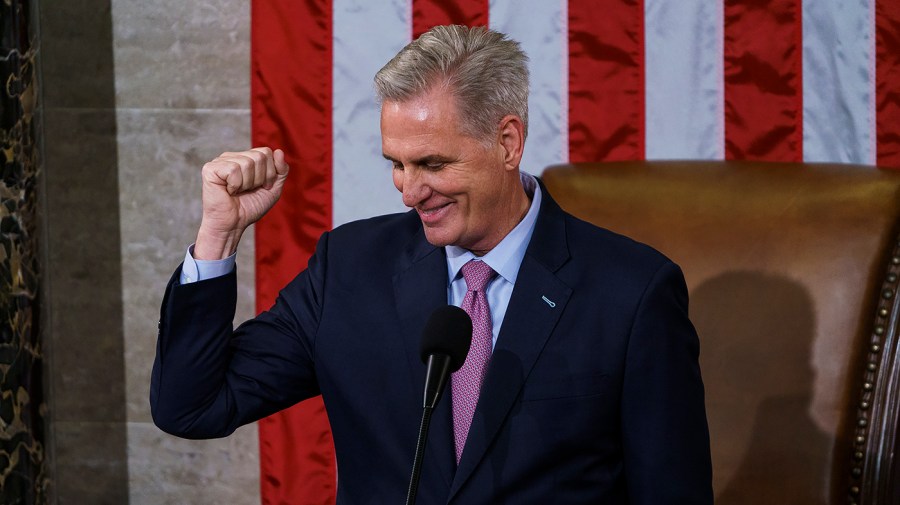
(477,275)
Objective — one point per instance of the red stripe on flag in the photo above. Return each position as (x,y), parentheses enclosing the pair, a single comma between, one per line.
(887,82)
(427,14)
(606,80)
(763,80)
(291,109)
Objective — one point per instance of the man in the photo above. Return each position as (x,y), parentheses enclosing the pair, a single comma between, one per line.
(582,385)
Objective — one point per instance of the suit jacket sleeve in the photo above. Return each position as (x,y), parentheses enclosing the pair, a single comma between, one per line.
(207,379)
(664,429)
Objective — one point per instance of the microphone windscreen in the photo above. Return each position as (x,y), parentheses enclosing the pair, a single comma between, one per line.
(448,331)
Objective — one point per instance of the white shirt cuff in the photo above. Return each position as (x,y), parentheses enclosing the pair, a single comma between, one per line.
(200,270)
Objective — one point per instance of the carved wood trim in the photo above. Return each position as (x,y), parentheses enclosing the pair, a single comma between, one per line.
(875,436)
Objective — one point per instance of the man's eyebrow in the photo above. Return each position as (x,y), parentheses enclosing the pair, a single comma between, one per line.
(431,158)
(424,160)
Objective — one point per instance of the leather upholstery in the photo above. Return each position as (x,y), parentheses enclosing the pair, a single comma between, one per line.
(793,275)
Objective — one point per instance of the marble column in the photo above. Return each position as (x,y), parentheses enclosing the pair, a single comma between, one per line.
(23,475)
(182,81)
(137,96)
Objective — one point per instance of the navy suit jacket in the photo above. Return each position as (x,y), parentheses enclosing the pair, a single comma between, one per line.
(593,394)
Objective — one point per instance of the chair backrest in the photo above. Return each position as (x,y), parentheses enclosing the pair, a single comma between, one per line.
(793,275)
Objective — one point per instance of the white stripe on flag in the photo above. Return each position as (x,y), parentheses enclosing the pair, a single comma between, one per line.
(838,81)
(366,35)
(684,80)
(541,27)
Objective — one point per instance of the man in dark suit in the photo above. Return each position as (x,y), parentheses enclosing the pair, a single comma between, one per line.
(582,385)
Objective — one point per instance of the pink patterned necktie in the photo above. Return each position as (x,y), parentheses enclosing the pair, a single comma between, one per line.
(467,380)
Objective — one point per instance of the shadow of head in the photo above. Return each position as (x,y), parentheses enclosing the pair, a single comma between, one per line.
(756,332)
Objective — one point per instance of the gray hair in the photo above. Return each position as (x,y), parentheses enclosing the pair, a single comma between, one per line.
(485,70)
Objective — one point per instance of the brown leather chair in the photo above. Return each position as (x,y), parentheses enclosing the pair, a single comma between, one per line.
(793,275)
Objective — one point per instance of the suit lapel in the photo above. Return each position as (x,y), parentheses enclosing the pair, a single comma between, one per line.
(538,300)
(420,287)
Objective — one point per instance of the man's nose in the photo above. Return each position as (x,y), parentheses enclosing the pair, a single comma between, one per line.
(415,189)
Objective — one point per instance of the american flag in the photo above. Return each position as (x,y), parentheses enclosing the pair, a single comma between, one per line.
(779,80)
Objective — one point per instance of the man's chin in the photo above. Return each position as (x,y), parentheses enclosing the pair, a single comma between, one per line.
(437,237)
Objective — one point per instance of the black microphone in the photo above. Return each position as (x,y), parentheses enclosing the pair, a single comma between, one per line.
(445,345)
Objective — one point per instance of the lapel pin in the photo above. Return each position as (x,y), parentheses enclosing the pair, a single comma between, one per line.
(549,302)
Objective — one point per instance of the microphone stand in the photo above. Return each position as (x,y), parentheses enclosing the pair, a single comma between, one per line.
(435,382)
(420,454)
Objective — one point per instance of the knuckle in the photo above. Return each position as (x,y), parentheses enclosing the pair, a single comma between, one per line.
(215,166)
(255,155)
(254,159)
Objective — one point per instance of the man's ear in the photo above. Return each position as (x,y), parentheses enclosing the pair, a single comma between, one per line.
(512,141)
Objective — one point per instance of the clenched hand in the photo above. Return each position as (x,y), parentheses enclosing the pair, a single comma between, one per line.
(238,189)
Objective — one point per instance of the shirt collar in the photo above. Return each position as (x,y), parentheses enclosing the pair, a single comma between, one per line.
(506,257)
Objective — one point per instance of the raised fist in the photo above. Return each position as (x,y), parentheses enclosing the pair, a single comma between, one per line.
(238,189)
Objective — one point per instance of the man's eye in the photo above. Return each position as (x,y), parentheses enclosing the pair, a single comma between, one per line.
(398,166)
(434,165)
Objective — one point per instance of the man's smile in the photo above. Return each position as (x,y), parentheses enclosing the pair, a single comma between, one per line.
(431,214)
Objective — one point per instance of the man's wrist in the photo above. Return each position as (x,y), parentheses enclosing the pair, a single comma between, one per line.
(214,246)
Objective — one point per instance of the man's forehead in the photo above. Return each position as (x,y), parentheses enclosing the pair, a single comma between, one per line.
(418,109)
(419,146)
(432,114)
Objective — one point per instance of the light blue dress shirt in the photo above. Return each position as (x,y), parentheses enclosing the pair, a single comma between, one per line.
(505,258)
